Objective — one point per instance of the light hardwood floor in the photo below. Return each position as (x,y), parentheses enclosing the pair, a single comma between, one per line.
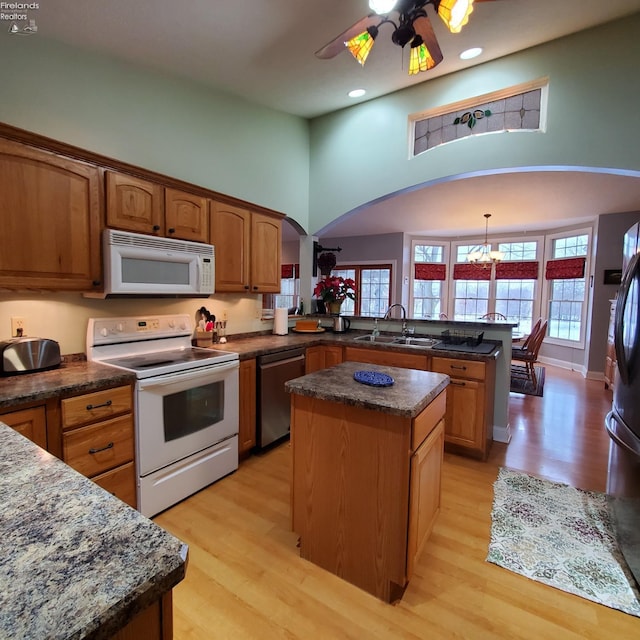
(245,578)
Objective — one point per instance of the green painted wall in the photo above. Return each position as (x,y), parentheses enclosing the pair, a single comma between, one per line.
(158,122)
(361,154)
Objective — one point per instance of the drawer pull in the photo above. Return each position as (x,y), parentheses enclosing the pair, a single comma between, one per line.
(460,384)
(456,366)
(108,403)
(109,446)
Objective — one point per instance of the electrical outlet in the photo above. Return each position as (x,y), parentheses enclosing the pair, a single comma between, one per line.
(224,315)
(18,327)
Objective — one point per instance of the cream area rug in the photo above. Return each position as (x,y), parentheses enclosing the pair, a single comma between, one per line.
(561,536)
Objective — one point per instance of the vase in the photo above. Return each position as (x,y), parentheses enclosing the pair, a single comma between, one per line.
(334,307)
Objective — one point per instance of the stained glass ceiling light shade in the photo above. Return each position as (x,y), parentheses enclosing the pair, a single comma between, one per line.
(360,46)
(419,58)
(455,13)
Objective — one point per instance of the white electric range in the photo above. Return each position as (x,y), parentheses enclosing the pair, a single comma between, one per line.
(186,403)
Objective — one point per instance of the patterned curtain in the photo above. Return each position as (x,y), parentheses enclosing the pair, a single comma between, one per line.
(430,271)
(565,269)
(469,271)
(517,270)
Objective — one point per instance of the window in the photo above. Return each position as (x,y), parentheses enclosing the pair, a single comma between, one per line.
(567,290)
(289,293)
(429,280)
(373,289)
(515,296)
(470,292)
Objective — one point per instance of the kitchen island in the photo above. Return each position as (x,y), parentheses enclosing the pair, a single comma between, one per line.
(76,562)
(366,471)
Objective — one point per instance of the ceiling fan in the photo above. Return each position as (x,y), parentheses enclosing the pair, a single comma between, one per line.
(411,26)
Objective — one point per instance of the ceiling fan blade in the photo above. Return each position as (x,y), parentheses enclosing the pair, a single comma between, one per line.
(423,28)
(336,46)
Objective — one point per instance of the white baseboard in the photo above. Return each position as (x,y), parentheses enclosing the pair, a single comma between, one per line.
(563,364)
(502,434)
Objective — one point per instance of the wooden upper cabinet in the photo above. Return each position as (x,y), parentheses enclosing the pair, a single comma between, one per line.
(266,241)
(186,216)
(248,249)
(134,204)
(231,235)
(142,206)
(51,215)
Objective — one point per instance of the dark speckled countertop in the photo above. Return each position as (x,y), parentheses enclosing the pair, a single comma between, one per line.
(410,393)
(71,378)
(75,562)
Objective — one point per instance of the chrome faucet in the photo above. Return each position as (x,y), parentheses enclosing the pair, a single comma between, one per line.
(404,316)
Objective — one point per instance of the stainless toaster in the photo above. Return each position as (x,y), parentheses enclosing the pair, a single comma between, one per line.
(25,355)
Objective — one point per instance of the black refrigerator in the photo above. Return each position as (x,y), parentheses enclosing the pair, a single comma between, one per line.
(623,422)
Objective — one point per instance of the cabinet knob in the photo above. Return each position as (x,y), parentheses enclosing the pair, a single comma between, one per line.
(246,286)
(255,288)
(96,283)
(172,230)
(156,227)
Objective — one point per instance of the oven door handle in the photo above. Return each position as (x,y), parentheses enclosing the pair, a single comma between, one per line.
(200,375)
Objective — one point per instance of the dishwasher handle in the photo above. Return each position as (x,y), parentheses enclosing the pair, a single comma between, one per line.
(279,363)
(291,355)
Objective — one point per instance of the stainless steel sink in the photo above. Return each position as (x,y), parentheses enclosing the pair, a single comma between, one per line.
(399,341)
(411,341)
(372,338)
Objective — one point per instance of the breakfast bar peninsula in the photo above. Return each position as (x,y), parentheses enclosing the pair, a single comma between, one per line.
(367,462)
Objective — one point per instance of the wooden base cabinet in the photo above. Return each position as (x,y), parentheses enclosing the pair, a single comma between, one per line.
(98,439)
(468,422)
(365,489)
(322,357)
(387,358)
(31,423)
(247,429)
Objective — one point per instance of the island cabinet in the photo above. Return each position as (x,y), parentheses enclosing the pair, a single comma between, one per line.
(142,206)
(248,248)
(51,213)
(321,357)
(98,439)
(366,472)
(469,428)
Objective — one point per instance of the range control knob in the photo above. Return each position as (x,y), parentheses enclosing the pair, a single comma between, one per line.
(104,332)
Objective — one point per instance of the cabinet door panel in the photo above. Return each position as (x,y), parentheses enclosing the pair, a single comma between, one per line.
(266,238)
(424,505)
(121,482)
(186,216)
(31,423)
(230,233)
(134,204)
(247,430)
(51,221)
(465,413)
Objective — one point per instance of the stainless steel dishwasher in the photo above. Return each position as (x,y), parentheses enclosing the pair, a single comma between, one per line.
(274,403)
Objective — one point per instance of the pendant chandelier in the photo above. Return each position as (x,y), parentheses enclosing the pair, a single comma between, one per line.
(483,254)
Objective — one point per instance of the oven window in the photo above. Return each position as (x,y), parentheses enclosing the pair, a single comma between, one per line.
(193,410)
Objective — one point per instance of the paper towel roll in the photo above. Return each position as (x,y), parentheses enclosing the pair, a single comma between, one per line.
(281,321)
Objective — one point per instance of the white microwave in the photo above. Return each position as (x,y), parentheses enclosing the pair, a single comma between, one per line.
(137,264)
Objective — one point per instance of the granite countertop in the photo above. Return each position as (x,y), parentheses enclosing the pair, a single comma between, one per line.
(410,393)
(75,561)
(72,377)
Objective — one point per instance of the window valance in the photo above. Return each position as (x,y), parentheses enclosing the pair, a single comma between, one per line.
(290,271)
(430,271)
(565,269)
(468,271)
(517,270)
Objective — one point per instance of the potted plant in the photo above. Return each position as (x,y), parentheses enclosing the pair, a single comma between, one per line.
(333,291)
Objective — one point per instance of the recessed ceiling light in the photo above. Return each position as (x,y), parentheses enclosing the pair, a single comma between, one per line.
(357,93)
(474,52)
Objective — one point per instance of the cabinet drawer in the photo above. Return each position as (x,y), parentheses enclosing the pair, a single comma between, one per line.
(121,482)
(92,407)
(428,419)
(97,448)
(459,368)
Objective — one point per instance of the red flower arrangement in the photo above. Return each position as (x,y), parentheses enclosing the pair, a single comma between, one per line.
(335,289)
